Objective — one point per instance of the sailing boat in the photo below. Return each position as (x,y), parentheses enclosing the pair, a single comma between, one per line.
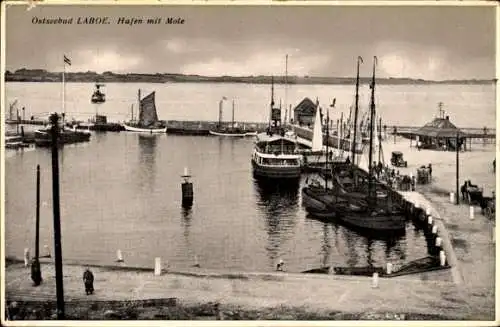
(321,201)
(370,209)
(98,96)
(231,130)
(148,118)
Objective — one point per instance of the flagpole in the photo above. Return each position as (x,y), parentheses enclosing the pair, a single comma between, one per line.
(63,91)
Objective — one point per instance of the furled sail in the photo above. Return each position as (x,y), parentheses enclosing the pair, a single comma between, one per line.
(317,139)
(147,111)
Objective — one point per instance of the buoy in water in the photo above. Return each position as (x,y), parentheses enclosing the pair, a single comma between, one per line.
(119,256)
(187,189)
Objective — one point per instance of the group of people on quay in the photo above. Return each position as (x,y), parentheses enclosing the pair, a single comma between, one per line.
(395,180)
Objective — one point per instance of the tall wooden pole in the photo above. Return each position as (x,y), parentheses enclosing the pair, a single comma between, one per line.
(457,170)
(54,119)
(37,223)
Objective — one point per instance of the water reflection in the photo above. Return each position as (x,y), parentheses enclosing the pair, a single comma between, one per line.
(147,155)
(186,218)
(278,203)
(326,247)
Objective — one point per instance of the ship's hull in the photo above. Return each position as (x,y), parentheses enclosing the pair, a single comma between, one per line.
(276,172)
(384,222)
(227,134)
(44,138)
(144,130)
(319,202)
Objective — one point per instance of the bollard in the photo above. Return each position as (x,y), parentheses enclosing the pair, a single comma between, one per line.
(429,220)
(119,257)
(375,280)
(471,212)
(434,230)
(47,251)
(26,257)
(157,266)
(452,197)
(428,211)
(438,242)
(389,268)
(442,258)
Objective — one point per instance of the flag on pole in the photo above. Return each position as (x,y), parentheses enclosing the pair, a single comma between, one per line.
(66,60)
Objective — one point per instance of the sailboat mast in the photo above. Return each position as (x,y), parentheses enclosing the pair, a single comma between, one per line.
(272,101)
(372,118)
(132,112)
(380,139)
(286,85)
(232,119)
(327,139)
(356,108)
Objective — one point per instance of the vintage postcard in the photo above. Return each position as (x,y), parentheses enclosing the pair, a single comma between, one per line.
(269,161)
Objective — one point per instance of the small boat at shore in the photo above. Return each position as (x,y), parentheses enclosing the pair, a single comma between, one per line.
(148,118)
(275,154)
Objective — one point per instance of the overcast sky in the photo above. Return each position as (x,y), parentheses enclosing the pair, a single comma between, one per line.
(419,42)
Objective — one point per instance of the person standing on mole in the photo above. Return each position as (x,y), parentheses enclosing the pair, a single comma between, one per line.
(430,171)
(88,281)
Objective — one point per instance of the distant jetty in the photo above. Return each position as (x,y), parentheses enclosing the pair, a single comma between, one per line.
(41,75)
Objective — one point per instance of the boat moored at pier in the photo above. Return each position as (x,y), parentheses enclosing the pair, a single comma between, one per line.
(275,153)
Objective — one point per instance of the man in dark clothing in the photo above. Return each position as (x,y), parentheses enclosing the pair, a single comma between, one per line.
(88,280)
(430,171)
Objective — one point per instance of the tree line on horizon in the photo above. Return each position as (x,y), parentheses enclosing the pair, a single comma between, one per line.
(42,75)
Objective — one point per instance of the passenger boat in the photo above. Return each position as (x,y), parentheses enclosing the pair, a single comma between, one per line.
(230,130)
(148,118)
(98,96)
(275,154)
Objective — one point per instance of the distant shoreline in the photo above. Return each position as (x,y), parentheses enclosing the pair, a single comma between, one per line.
(40,75)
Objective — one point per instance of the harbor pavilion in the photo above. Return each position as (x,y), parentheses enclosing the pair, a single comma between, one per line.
(440,134)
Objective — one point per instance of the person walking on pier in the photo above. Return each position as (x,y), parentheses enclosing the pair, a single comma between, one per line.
(430,171)
(88,281)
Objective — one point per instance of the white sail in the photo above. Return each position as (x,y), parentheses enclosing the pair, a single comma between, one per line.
(317,139)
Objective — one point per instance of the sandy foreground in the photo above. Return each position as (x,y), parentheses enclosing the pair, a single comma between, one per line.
(434,295)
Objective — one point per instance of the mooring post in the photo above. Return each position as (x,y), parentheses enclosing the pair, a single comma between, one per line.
(54,120)
(457,171)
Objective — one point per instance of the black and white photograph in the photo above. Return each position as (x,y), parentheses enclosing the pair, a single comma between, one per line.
(270,161)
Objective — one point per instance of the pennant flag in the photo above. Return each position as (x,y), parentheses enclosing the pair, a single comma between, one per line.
(66,60)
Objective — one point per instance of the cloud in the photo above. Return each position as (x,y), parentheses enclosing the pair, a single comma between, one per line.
(176,46)
(405,60)
(259,63)
(107,60)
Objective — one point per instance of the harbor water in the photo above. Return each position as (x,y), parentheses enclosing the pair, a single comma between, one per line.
(122,191)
